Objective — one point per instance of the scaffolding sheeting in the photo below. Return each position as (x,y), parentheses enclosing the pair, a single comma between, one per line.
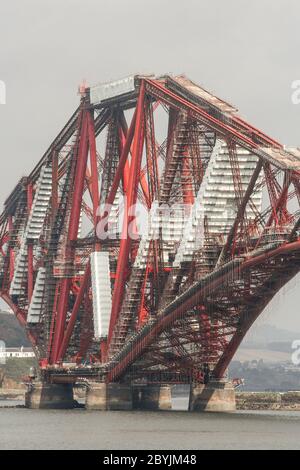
(35,307)
(105,91)
(101,287)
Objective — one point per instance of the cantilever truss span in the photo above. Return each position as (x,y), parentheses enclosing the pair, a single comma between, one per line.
(168,296)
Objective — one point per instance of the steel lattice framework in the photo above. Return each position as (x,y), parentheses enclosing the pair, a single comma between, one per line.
(171,303)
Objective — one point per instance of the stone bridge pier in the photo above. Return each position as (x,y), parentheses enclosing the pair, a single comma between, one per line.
(41,395)
(116,396)
(152,397)
(113,396)
(215,396)
(99,396)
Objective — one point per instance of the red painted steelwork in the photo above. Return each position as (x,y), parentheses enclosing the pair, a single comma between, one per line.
(179,308)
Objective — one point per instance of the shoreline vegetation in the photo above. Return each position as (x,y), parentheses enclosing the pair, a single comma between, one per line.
(13,371)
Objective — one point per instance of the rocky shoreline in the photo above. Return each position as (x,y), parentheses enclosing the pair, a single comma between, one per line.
(12,394)
(285,401)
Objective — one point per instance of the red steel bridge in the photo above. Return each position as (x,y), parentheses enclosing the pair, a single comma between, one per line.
(101,299)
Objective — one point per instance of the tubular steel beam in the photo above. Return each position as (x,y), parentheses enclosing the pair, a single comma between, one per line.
(213,301)
(94,165)
(54,189)
(158,90)
(30,245)
(143,180)
(246,320)
(128,216)
(122,162)
(240,213)
(77,193)
(57,144)
(74,314)
(185,302)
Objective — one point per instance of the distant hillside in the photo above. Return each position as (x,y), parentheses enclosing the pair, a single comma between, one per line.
(268,356)
(265,336)
(269,343)
(11,332)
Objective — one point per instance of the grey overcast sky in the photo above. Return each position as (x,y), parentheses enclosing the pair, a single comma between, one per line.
(247,52)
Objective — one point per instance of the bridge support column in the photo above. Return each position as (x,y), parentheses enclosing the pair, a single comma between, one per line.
(216,396)
(152,397)
(49,396)
(114,396)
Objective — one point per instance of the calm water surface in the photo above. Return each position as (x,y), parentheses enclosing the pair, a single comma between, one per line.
(80,429)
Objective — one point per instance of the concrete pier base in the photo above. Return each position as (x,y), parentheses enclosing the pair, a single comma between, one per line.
(152,397)
(49,396)
(103,397)
(216,396)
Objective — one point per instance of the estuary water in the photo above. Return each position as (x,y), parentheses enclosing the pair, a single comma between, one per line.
(80,429)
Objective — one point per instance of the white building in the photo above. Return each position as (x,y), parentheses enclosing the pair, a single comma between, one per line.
(19,353)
